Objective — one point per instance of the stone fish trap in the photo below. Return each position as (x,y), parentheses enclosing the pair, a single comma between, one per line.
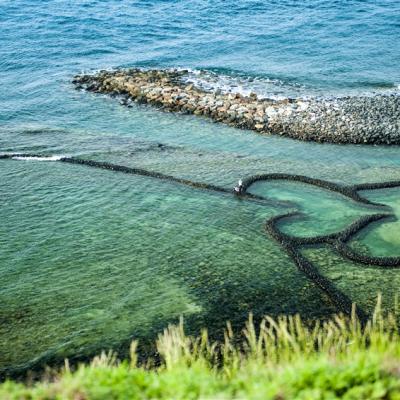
(338,241)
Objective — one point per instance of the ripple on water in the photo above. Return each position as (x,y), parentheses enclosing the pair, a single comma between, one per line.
(360,282)
(383,239)
(91,258)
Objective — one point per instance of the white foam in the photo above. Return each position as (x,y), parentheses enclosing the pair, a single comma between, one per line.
(34,158)
(271,88)
(262,86)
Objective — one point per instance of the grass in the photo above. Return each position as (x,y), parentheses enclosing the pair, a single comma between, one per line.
(284,358)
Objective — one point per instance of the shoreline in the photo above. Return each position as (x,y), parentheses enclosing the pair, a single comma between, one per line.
(347,120)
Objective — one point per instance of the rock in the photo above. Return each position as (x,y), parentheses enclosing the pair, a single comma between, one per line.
(373,119)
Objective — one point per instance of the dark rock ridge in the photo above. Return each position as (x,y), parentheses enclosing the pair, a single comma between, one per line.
(364,119)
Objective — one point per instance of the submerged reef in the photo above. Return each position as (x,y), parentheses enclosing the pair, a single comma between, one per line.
(293,246)
(360,119)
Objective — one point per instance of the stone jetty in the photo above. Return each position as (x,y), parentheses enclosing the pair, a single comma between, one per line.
(362,119)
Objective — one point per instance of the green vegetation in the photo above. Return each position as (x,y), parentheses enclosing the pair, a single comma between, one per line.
(285,358)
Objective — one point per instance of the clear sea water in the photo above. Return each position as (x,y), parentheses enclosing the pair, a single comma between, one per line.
(90,258)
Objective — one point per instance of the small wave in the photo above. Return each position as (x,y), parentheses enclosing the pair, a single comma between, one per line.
(264,87)
(38,131)
(33,129)
(279,89)
(221,80)
(37,158)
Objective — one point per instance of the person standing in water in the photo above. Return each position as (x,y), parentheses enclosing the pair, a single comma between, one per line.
(239,188)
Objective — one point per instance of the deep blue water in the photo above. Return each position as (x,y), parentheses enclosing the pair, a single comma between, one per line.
(329,46)
(90,258)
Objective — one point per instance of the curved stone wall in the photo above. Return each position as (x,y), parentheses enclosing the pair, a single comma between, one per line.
(291,244)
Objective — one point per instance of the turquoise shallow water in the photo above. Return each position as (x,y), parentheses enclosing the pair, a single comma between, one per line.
(384,239)
(91,258)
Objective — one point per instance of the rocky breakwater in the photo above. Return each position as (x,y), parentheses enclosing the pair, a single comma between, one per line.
(363,119)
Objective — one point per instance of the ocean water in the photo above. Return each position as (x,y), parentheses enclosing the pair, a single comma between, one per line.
(91,258)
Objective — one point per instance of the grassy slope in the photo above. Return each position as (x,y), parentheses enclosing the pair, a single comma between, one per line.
(283,359)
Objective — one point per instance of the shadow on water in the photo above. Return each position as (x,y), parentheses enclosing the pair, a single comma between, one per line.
(220,273)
